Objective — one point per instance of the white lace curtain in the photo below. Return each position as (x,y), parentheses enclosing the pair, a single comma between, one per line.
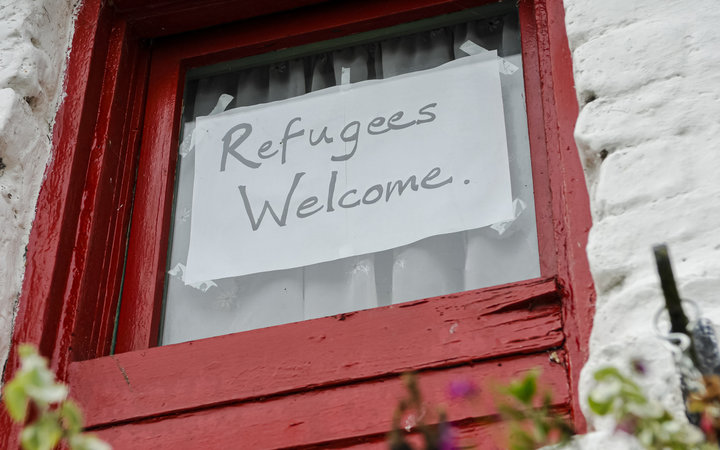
(434,266)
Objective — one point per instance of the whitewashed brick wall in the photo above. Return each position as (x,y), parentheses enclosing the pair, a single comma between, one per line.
(647,74)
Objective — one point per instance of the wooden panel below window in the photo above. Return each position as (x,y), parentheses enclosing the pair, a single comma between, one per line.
(455,329)
(337,417)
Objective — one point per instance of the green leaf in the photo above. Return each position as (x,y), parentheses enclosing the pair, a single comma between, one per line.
(599,408)
(511,412)
(25,350)
(547,400)
(541,428)
(521,439)
(15,399)
(608,372)
(631,396)
(88,442)
(44,434)
(72,417)
(524,390)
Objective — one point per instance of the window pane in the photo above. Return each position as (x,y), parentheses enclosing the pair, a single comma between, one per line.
(438,265)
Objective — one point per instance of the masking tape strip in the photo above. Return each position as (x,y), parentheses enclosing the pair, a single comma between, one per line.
(221,104)
(178,272)
(472,48)
(502,227)
(344,78)
(188,143)
(504,66)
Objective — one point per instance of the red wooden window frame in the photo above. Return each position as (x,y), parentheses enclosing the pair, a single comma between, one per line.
(121,114)
(141,309)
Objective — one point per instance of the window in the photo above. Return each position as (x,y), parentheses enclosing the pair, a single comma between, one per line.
(294,384)
(437,265)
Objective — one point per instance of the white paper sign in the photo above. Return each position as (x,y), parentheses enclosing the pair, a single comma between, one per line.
(349,170)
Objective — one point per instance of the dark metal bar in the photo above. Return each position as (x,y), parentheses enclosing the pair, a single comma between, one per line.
(678,319)
(703,350)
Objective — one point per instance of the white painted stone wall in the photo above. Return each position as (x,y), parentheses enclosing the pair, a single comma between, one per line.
(647,74)
(34,40)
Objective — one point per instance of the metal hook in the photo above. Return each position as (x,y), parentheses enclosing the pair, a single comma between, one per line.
(658,316)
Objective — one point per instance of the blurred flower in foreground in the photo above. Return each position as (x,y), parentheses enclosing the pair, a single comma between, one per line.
(462,389)
(448,437)
(638,366)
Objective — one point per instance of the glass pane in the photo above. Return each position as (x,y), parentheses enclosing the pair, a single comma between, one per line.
(438,265)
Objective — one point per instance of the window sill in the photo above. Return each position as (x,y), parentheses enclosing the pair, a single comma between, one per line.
(446,331)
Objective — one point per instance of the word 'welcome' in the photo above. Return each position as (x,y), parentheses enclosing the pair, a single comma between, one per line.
(349,199)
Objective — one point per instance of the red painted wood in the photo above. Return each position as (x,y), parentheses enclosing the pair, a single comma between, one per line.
(94,279)
(120,207)
(84,284)
(295,28)
(50,246)
(536,134)
(162,18)
(570,203)
(147,251)
(330,351)
(87,215)
(573,269)
(326,416)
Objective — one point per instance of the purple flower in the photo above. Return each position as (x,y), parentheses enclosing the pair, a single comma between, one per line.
(448,437)
(462,389)
(628,424)
(638,366)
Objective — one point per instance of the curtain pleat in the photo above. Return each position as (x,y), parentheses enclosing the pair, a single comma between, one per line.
(347,284)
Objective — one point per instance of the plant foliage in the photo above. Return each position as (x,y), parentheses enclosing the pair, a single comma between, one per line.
(56,419)
(620,397)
